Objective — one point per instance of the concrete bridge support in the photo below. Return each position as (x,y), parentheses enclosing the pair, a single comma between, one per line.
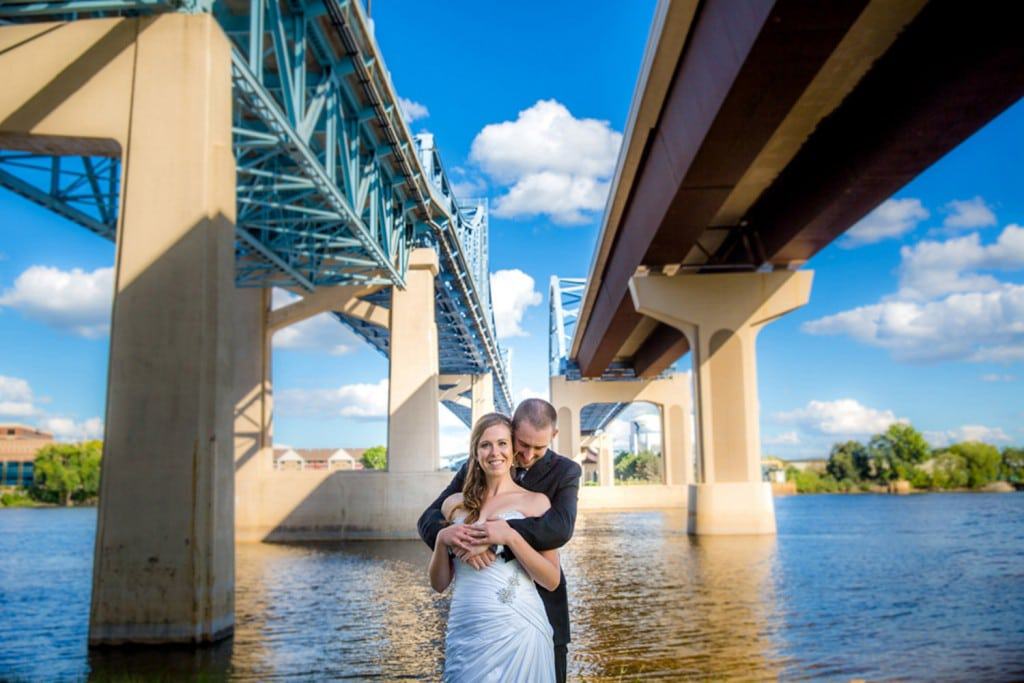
(721,316)
(671,395)
(156,92)
(413,430)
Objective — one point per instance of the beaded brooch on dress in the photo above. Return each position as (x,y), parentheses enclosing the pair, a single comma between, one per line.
(508,593)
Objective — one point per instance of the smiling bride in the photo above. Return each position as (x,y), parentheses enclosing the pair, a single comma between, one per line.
(497,627)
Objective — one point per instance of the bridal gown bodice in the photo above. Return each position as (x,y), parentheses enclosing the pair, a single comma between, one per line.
(497,627)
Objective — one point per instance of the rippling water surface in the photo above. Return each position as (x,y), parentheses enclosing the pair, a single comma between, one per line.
(873,587)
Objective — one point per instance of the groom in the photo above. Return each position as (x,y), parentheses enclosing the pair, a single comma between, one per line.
(539,469)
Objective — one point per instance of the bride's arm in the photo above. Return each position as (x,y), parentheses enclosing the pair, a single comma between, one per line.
(441,562)
(543,567)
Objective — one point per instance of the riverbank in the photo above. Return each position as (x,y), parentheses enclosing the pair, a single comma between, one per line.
(900,488)
(13,497)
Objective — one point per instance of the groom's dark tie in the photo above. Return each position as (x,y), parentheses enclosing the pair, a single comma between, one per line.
(520,474)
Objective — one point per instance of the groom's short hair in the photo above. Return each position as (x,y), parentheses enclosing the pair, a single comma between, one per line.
(538,412)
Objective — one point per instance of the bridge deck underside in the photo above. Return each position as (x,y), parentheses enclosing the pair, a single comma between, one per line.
(777,131)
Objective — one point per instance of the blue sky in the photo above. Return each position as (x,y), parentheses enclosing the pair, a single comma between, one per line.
(918,314)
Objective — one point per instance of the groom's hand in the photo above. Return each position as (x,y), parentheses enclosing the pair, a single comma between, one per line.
(465,537)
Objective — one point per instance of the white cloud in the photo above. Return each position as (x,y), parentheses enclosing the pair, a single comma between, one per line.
(412,111)
(564,197)
(14,389)
(469,188)
(512,292)
(320,333)
(966,433)
(892,218)
(845,417)
(791,438)
(996,377)
(68,429)
(966,214)
(978,326)
(73,300)
(554,163)
(358,401)
(929,269)
(945,309)
(16,398)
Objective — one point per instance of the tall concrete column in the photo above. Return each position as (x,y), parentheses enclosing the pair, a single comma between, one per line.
(676,441)
(482,395)
(253,405)
(568,439)
(721,316)
(413,431)
(155,91)
(605,461)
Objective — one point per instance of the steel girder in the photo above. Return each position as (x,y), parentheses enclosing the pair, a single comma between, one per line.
(332,187)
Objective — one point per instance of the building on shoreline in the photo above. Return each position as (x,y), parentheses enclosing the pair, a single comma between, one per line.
(318,458)
(18,447)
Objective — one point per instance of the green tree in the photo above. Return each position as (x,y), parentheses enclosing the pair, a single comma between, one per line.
(809,481)
(949,471)
(1012,468)
(375,458)
(66,472)
(898,451)
(644,466)
(849,461)
(983,461)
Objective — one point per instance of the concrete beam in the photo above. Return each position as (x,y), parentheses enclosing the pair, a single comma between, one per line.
(342,299)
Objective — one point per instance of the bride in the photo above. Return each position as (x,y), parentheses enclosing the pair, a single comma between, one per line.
(497,627)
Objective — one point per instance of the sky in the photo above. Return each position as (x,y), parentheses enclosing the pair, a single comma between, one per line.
(916,315)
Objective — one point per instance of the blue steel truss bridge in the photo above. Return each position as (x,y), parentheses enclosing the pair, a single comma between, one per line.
(332,187)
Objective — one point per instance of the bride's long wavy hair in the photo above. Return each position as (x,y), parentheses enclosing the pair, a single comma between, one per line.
(475,487)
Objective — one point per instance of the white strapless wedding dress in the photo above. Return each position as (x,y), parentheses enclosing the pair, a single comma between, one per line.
(497,627)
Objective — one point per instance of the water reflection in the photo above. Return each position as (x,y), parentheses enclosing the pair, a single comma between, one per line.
(361,609)
(649,600)
(158,664)
(871,587)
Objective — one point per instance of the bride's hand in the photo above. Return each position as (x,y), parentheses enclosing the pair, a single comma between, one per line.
(498,531)
(461,536)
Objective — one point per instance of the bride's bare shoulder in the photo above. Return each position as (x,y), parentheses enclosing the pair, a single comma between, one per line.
(537,504)
(450,505)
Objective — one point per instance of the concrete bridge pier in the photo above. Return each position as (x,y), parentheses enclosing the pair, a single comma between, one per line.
(413,394)
(671,395)
(721,315)
(155,91)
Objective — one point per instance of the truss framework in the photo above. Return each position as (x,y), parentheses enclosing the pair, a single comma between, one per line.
(333,189)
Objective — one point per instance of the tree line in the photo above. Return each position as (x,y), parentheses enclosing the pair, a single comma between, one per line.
(63,474)
(902,453)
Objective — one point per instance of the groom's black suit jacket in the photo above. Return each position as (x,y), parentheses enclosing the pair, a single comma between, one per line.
(558,478)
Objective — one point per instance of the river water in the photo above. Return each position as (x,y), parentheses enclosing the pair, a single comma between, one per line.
(868,586)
